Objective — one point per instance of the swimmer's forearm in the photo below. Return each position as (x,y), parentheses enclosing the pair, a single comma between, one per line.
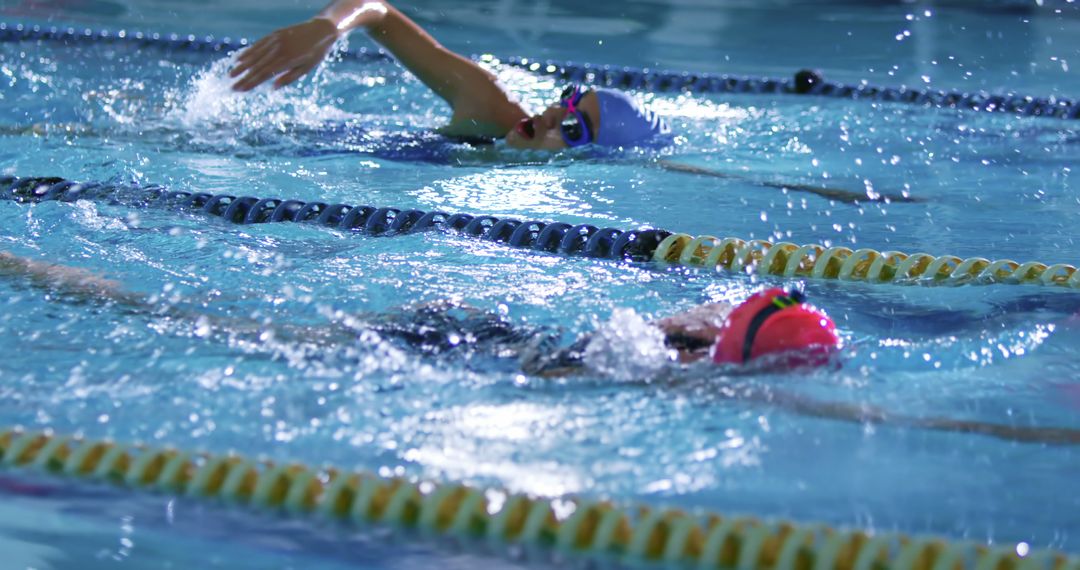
(840,195)
(866,414)
(68,280)
(473,92)
(448,74)
(404,38)
(837,194)
(1023,434)
(45,129)
(433,64)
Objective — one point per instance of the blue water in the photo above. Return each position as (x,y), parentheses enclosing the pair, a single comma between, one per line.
(994,186)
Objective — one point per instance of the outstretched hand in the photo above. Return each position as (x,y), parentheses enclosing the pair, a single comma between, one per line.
(288,54)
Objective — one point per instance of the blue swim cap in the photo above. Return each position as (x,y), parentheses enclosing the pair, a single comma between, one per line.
(626,122)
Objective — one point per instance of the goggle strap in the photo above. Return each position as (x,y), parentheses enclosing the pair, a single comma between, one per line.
(569,99)
(779,303)
(571,102)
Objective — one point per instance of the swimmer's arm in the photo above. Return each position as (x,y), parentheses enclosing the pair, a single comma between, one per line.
(68,280)
(473,92)
(84,285)
(44,129)
(291,52)
(690,333)
(839,195)
(872,415)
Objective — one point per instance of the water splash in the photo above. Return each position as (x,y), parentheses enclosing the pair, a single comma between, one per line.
(209,101)
(626,347)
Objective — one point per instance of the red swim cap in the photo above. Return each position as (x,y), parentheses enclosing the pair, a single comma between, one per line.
(774,321)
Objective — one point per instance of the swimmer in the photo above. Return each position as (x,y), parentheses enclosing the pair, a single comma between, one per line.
(774,324)
(482,109)
(772,330)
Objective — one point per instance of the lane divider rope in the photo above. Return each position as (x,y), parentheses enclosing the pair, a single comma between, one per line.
(812,261)
(804,82)
(11,33)
(580,527)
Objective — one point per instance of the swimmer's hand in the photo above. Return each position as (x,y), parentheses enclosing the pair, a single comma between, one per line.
(702,324)
(702,320)
(288,54)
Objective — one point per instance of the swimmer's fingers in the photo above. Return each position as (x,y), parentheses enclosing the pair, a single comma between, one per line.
(253,79)
(270,66)
(294,74)
(286,51)
(251,56)
(285,71)
(262,65)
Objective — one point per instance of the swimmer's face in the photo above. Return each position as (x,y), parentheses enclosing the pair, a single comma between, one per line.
(542,131)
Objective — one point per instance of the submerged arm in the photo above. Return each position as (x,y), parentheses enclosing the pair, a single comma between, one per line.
(837,194)
(73,281)
(872,415)
(82,285)
(291,52)
(44,129)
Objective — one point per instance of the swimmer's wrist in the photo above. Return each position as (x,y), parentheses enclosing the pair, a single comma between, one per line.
(329,24)
(347,15)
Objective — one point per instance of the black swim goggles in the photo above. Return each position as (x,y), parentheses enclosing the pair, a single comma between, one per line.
(575,123)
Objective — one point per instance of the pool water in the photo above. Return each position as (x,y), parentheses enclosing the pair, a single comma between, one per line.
(989,185)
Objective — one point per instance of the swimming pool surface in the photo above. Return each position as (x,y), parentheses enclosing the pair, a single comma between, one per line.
(991,185)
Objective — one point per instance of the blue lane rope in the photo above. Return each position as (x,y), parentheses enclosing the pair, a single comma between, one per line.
(10,33)
(804,82)
(813,261)
(583,239)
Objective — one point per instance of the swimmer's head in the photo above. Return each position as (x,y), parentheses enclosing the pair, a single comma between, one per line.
(604,117)
(773,322)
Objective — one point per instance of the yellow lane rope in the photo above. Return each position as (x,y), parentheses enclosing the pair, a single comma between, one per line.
(593,529)
(819,262)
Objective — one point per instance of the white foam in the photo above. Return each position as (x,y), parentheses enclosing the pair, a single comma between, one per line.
(626,348)
(209,100)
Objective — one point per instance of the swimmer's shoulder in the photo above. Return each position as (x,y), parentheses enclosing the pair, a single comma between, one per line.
(487,112)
